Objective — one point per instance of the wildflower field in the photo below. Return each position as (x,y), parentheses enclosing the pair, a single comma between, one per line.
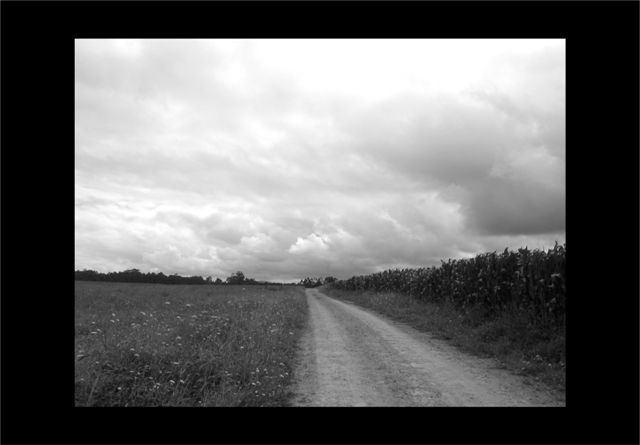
(185,345)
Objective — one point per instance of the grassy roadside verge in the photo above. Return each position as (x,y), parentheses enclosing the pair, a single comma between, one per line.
(538,353)
(185,345)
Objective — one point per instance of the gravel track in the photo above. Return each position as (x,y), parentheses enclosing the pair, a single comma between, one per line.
(353,357)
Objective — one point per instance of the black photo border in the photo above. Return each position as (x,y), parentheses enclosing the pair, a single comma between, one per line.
(37,224)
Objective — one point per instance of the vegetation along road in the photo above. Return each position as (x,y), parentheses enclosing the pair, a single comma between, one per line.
(352,357)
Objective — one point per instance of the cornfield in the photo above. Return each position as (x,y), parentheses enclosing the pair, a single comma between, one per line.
(528,281)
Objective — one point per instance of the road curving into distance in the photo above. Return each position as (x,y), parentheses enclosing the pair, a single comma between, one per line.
(350,356)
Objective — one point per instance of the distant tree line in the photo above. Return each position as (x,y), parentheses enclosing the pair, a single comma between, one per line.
(135,276)
(239,278)
(315,282)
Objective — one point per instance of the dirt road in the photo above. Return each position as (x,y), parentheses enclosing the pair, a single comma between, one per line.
(353,357)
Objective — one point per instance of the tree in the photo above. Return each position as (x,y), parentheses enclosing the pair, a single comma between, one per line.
(209,279)
(329,280)
(310,282)
(218,281)
(135,276)
(237,278)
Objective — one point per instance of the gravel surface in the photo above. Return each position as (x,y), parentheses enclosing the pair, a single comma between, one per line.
(353,357)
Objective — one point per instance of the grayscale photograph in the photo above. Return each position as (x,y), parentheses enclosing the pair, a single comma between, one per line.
(320,222)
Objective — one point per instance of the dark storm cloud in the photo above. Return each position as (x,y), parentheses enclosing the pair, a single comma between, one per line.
(444,142)
(507,207)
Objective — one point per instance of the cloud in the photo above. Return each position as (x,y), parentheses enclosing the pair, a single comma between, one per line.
(313,244)
(290,158)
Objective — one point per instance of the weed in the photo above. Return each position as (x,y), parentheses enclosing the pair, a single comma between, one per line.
(210,346)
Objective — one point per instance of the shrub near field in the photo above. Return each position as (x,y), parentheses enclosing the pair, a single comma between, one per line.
(185,345)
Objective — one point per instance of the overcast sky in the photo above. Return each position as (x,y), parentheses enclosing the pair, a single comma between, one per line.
(294,158)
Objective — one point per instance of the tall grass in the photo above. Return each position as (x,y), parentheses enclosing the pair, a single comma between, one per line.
(537,352)
(185,345)
(532,283)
